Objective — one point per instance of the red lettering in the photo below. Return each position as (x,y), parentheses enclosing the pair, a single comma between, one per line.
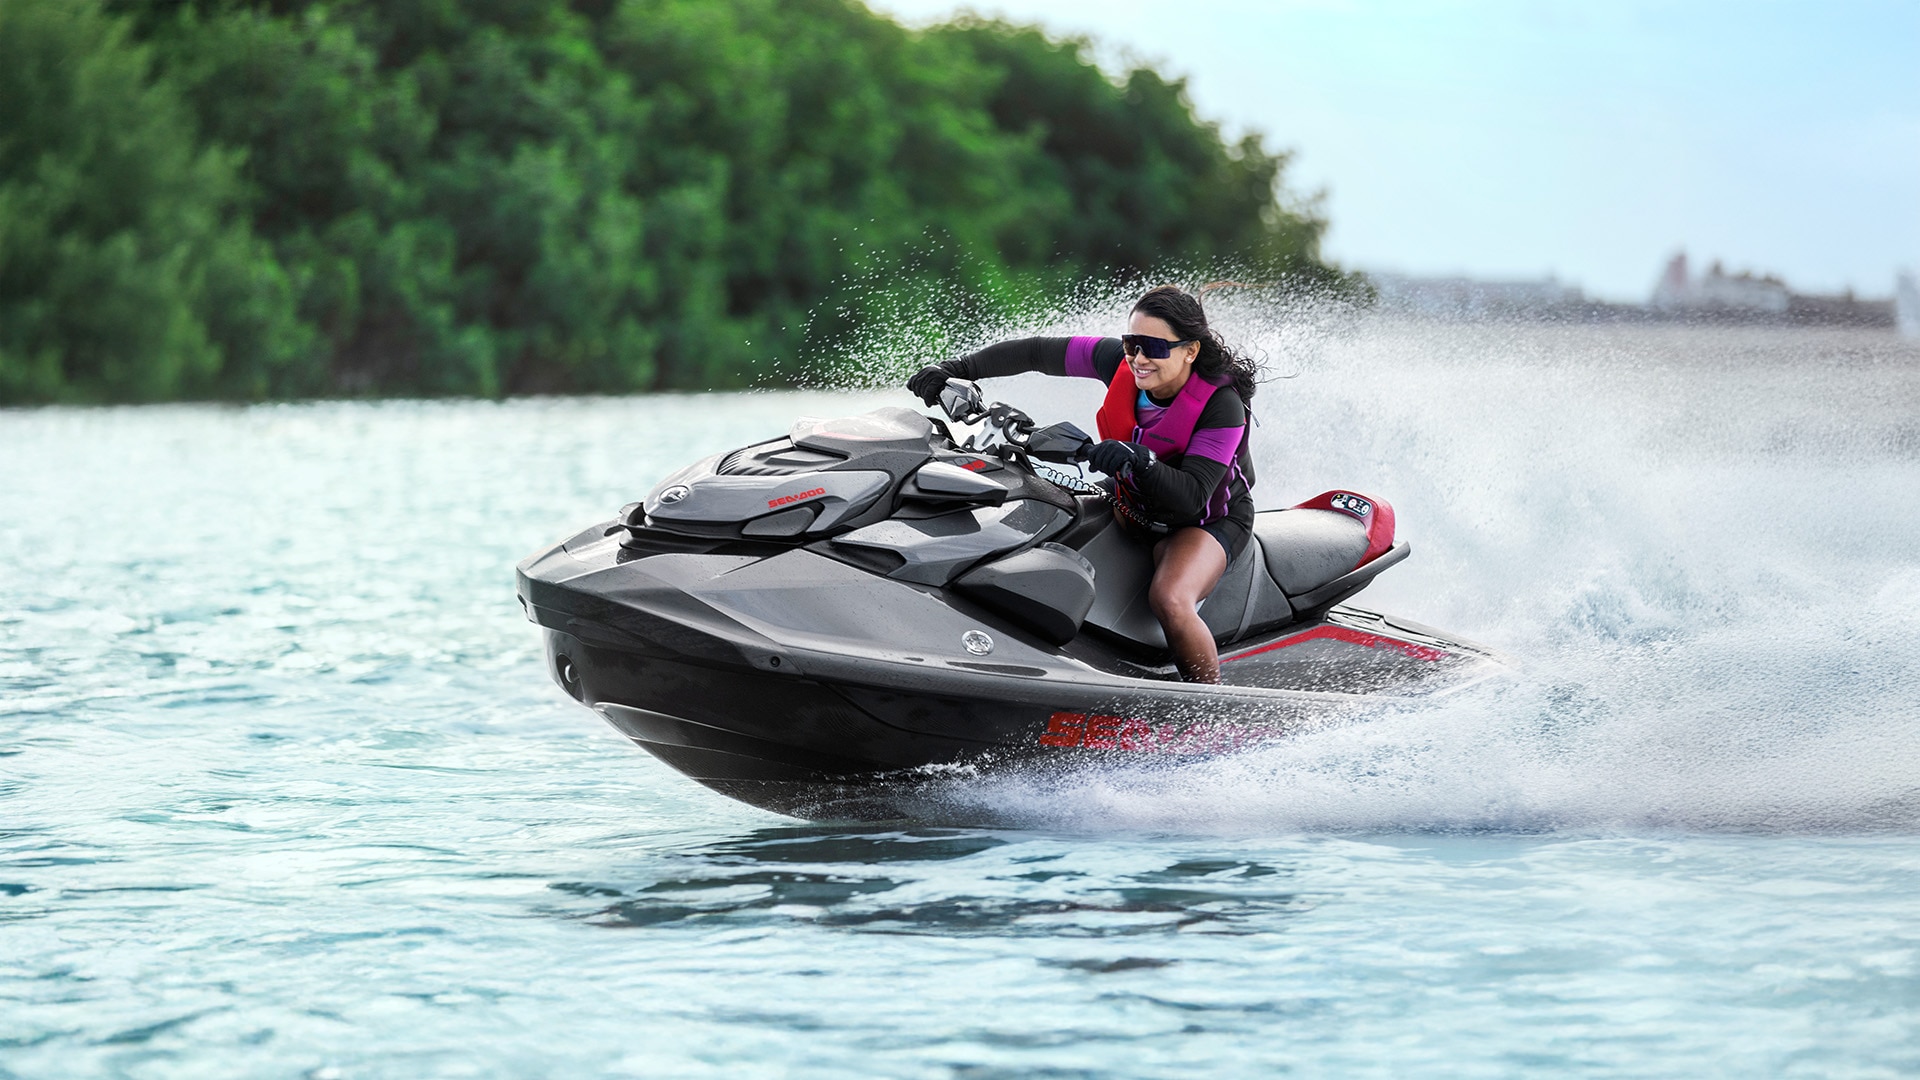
(1101,731)
(1184,741)
(1064,729)
(1098,732)
(785,499)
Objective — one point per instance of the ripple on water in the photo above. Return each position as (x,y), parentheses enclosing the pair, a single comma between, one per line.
(285,789)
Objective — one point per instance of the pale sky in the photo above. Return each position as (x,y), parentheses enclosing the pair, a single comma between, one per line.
(1589,140)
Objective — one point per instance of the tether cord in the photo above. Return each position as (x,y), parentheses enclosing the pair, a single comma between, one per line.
(1080,486)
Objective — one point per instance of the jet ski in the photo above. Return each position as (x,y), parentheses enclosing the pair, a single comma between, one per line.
(823,623)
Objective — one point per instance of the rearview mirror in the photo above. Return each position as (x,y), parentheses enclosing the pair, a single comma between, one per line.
(962,401)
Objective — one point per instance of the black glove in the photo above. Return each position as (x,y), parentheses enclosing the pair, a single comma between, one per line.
(1114,456)
(927,383)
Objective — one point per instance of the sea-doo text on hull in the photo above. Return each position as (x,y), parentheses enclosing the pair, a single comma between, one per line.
(817,623)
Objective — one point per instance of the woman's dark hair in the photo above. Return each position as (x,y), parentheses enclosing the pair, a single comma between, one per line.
(1189,321)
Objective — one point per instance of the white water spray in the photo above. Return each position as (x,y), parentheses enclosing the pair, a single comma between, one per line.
(1698,542)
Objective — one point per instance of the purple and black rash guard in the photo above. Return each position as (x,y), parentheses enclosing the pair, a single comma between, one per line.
(1212,481)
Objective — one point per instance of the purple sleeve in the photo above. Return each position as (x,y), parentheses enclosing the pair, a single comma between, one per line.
(1080,358)
(1216,444)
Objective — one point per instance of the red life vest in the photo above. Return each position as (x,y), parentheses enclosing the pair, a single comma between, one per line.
(1170,436)
(1118,419)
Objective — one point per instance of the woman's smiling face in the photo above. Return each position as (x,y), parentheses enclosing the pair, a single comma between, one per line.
(1164,377)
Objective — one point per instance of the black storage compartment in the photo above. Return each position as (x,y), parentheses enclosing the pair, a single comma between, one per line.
(1048,588)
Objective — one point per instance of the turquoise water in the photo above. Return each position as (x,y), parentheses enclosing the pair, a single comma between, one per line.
(284,790)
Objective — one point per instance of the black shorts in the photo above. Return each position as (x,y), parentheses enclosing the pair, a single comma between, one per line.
(1231,534)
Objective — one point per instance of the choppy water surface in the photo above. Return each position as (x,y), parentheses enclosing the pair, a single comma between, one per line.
(284,789)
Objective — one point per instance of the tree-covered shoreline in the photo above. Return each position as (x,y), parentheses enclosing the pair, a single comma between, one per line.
(266,199)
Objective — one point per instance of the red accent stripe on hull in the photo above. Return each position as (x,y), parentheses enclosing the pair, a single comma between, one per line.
(1351,636)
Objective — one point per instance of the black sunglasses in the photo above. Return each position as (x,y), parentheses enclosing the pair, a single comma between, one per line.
(1155,348)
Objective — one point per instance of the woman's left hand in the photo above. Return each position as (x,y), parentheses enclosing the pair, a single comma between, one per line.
(1114,457)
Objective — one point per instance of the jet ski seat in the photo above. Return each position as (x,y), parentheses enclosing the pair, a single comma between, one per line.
(1327,548)
(1297,563)
(1305,549)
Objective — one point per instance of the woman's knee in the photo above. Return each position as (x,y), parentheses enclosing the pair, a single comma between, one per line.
(1163,601)
(1189,565)
(1171,597)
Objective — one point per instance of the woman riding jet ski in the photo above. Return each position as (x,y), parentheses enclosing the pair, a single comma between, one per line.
(827,622)
(1174,439)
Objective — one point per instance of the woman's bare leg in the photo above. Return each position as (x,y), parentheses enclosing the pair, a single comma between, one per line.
(1187,565)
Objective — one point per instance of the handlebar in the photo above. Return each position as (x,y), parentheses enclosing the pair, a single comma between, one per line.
(1003,425)
(962,401)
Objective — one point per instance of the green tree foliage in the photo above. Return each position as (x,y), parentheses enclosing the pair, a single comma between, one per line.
(248,198)
(1134,175)
(125,273)
(449,180)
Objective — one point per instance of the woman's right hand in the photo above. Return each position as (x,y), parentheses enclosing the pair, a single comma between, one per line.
(1116,456)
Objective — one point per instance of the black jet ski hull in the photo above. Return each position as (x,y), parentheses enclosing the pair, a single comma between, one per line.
(740,694)
(801,746)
